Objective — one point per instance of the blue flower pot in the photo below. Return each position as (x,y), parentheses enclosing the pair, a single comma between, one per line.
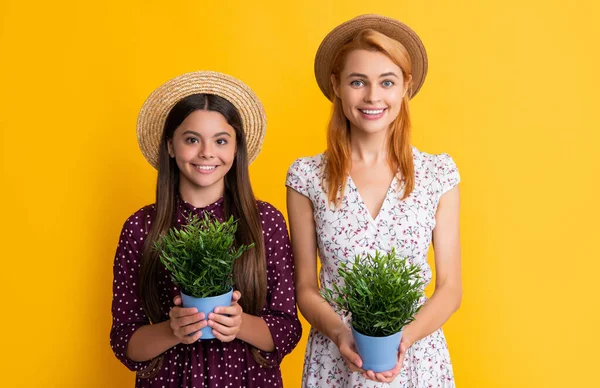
(378,354)
(206,306)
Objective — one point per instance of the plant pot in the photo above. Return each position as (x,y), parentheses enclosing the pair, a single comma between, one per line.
(378,354)
(206,306)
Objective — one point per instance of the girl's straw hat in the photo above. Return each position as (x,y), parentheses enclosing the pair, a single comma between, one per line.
(345,32)
(151,120)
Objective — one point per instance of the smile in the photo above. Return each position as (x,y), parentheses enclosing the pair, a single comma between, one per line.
(372,111)
(204,168)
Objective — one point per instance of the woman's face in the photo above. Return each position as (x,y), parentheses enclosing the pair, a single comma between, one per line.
(204,147)
(371,89)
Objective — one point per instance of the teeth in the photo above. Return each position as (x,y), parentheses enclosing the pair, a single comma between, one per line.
(371,111)
(206,168)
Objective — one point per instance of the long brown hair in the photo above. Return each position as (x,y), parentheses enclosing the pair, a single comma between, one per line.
(400,156)
(250,270)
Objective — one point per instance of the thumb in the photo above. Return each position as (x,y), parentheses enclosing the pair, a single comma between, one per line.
(403,347)
(351,355)
(236,296)
(177,300)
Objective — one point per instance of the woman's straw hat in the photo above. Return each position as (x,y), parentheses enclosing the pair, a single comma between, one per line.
(345,32)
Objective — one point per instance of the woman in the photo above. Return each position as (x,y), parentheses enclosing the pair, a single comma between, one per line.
(371,190)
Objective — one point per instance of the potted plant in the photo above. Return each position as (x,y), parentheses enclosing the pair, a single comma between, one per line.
(200,257)
(381,293)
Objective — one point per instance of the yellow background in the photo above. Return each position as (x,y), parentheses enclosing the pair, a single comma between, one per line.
(512,95)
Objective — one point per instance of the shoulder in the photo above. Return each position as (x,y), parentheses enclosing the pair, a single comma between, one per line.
(273,222)
(435,163)
(307,165)
(138,224)
(269,214)
(437,169)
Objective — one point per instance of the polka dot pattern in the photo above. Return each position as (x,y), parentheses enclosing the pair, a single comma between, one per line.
(208,363)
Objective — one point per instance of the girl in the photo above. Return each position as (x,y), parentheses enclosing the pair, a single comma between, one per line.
(371,190)
(201,130)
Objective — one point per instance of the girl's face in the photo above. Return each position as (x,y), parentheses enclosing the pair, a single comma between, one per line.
(371,89)
(204,147)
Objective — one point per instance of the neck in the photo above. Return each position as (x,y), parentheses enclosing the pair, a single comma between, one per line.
(369,148)
(200,197)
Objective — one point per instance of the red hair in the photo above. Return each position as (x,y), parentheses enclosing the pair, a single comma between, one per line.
(400,156)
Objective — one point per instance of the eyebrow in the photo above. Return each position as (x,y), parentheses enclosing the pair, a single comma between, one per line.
(215,135)
(390,73)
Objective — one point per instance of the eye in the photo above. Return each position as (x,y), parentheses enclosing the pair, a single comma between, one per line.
(387,84)
(222,141)
(191,140)
(357,83)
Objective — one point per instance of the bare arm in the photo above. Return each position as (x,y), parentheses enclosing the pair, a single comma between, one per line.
(312,305)
(149,341)
(255,331)
(448,285)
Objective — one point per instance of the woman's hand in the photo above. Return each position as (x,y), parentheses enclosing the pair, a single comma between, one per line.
(186,322)
(389,376)
(345,343)
(227,321)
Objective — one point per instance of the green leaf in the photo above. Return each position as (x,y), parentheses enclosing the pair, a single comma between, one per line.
(382,292)
(200,255)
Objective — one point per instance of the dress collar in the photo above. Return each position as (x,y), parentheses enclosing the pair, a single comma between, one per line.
(186,209)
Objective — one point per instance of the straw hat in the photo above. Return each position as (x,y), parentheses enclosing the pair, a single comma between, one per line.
(345,32)
(151,120)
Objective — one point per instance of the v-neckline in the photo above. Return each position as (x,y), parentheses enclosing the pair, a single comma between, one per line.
(375,219)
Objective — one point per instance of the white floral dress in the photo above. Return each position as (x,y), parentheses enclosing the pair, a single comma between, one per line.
(349,230)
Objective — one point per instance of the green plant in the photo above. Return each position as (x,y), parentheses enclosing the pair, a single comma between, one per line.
(200,255)
(381,292)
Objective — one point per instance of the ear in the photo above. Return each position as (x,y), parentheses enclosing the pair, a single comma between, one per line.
(170,148)
(334,85)
(407,83)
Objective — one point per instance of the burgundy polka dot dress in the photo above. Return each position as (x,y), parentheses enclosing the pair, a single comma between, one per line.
(206,363)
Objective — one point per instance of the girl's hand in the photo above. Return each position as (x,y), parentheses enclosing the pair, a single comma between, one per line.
(390,375)
(186,321)
(227,321)
(345,343)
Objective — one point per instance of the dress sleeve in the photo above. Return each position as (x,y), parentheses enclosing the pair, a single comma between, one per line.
(280,312)
(127,312)
(448,175)
(297,177)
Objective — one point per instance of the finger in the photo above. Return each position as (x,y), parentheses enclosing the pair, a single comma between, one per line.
(382,377)
(376,377)
(234,309)
(189,329)
(190,339)
(224,319)
(177,300)
(398,366)
(222,337)
(235,296)
(177,312)
(225,330)
(353,367)
(189,319)
(351,356)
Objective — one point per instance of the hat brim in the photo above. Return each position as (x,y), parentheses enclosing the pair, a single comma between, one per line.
(345,32)
(151,120)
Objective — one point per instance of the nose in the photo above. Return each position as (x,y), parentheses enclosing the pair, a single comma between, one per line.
(372,94)
(206,150)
